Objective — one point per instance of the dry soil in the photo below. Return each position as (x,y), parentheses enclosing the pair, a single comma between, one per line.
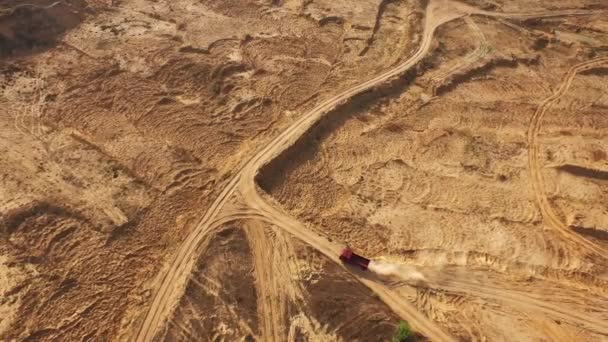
(190,170)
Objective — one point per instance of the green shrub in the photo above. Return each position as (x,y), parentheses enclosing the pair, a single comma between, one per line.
(403,332)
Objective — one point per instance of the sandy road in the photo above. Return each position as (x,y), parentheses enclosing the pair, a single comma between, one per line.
(540,14)
(591,317)
(173,278)
(275,284)
(269,294)
(462,64)
(547,211)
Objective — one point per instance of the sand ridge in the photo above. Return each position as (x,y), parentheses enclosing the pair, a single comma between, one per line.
(213,179)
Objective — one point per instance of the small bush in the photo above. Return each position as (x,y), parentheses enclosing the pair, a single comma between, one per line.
(403,332)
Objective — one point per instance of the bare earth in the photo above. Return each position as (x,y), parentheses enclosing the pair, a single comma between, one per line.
(190,170)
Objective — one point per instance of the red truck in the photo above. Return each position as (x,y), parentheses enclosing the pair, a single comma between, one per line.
(349,257)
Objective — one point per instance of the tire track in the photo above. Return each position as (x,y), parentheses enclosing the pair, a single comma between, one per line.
(541,14)
(269,296)
(468,60)
(519,300)
(550,216)
(275,288)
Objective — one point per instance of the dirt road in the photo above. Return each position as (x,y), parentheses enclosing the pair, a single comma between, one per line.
(549,214)
(559,307)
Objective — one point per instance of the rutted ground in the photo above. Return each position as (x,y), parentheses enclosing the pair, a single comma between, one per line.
(437,174)
(141,118)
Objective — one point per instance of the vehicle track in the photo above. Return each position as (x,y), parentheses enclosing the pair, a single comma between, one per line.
(269,294)
(520,300)
(173,277)
(541,14)
(468,60)
(549,215)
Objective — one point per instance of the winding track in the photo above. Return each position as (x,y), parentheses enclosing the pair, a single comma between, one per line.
(554,307)
(173,279)
(547,211)
(462,64)
(275,285)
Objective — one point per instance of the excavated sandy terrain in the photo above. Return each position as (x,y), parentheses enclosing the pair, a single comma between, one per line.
(190,170)
(442,173)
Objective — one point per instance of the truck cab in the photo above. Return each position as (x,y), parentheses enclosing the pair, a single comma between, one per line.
(349,257)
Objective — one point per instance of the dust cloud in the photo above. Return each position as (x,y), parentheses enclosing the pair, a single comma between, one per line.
(405,272)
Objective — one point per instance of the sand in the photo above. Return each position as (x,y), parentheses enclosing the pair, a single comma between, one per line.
(191,170)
